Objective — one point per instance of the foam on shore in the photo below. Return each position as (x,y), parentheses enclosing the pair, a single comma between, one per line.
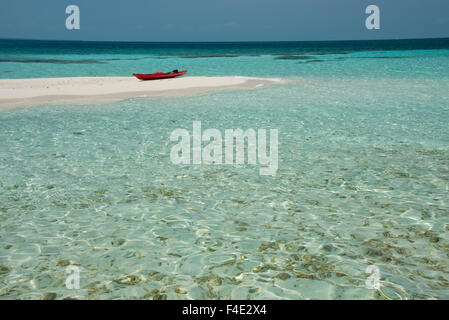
(28,92)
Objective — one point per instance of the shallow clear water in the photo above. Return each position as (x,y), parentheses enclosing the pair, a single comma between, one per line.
(363,179)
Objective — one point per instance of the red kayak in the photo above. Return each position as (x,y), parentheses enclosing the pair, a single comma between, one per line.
(160,75)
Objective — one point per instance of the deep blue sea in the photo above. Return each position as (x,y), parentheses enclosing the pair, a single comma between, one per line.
(363,175)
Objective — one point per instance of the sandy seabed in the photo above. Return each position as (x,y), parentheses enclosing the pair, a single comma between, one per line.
(28,92)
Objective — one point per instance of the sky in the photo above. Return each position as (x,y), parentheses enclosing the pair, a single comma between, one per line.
(223,20)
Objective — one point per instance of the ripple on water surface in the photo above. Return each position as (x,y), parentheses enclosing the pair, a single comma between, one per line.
(362,180)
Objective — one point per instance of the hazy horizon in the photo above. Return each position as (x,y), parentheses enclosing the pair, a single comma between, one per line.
(225,41)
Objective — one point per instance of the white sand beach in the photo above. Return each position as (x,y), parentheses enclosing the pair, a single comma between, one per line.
(28,92)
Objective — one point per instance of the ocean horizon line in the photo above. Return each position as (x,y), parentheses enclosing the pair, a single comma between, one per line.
(230,41)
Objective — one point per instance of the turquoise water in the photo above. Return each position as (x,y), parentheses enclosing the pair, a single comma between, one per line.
(362,180)
(398,59)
